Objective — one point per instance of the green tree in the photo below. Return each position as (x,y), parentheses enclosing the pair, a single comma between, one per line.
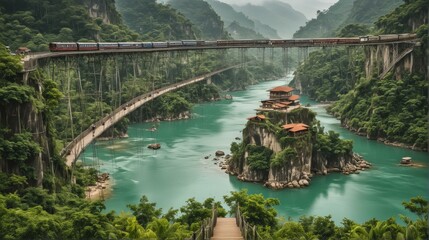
(255,208)
(291,230)
(164,230)
(145,211)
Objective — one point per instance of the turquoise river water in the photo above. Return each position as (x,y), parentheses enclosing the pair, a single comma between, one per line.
(179,171)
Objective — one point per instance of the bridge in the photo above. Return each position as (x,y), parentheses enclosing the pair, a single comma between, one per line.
(31,62)
(223,228)
(72,151)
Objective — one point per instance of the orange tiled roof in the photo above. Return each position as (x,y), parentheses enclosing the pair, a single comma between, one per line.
(282,89)
(295,127)
(294,97)
(261,117)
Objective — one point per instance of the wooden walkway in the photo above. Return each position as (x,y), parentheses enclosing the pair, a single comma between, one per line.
(226,228)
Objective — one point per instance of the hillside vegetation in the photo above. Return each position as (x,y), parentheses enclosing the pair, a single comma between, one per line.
(154,21)
(36,23)
(343,13)
(392,109)
(202,15)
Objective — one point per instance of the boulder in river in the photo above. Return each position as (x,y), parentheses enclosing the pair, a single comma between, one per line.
(154,146)
(219,153)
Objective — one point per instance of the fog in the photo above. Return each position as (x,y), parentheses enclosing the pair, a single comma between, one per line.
(307,7)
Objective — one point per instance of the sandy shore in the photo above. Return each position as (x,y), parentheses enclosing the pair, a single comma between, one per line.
(101,191)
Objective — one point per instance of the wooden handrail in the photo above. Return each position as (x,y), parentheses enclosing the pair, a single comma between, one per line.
(248,231)
(207,227)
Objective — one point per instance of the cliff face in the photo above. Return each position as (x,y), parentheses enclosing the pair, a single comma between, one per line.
(27,149)
(104,9)
(292,160)
(398,59)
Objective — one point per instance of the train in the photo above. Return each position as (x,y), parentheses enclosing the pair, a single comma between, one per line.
(300,42)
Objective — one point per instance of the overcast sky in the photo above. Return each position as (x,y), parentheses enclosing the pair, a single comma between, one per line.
(307,7)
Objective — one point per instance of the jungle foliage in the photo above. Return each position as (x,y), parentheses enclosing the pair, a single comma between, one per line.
(36,23)
(203,17)
(393,108)
(155,21)
(330,73)
(385,108)
(343,13)
(260,212)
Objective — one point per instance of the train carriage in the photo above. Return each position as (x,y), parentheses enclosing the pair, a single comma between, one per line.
(62,46)
(208,43)
(160,44)
(325,41)
(147,44)
(130,45)
(175,44)
(352,40)
(107,45)
(282,42)
(189,43)
(87,46)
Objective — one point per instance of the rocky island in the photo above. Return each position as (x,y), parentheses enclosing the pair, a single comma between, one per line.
(283,146)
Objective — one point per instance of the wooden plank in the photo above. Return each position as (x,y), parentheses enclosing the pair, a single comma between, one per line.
(226,228)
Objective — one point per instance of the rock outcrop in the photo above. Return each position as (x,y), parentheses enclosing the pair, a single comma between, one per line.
(294,159)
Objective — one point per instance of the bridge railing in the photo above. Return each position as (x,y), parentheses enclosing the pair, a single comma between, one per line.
(248,231)
(152,94)
(207,227)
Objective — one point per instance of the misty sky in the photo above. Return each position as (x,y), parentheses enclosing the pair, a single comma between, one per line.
(307,7)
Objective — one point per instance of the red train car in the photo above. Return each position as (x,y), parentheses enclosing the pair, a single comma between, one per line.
(354,40)
(62,46)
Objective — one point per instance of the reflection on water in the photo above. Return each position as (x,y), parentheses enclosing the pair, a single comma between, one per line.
(179,171)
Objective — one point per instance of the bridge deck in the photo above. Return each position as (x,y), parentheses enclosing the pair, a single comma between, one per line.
(226,228)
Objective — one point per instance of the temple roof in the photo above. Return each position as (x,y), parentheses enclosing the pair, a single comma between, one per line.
(259,117)
(294,97)
(295,127)
(282,89)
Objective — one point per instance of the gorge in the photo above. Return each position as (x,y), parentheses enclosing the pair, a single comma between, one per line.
(179,168)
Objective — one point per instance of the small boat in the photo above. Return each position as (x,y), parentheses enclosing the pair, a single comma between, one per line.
(406,160)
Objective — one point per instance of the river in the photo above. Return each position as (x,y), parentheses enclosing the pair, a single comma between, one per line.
(179,171)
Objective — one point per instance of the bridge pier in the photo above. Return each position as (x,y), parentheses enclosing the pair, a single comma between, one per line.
(209,80)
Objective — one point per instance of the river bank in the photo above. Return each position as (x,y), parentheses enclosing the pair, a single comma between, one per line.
(102,189)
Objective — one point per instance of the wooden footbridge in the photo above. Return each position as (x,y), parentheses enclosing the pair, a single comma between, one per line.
(235,228)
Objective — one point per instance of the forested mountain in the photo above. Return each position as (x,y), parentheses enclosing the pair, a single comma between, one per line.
(343,13)
(154,21)
(327,21)
(368,11)
(36,23)
(239,25)
(229,15)
(202,16)
(392,109)
(278,15)
(238,32)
